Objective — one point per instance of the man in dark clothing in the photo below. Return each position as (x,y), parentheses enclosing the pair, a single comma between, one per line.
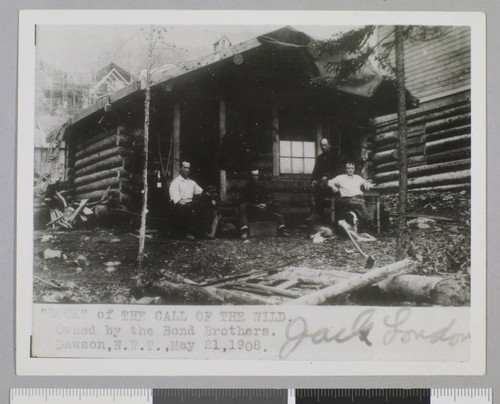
(324,169)
(254,199)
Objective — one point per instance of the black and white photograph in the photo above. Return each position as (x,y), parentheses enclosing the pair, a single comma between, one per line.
(223,191)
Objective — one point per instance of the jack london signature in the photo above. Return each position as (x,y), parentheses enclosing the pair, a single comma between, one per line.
(297,332)
(397,332)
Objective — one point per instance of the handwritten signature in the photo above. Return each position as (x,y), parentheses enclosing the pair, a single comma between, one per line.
(397,332)
(297,332)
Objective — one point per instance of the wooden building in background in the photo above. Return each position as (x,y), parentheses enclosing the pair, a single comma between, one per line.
(438,73)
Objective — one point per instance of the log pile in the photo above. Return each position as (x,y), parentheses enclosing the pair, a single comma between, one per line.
(65,214)
(309,286)
(101,166)
(439,145)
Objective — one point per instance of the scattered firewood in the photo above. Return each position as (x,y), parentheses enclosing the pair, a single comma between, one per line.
(77,210)
(357,282)
(47,282)
(267,290)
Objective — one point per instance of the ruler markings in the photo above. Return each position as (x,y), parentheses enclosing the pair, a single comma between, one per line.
(291,396)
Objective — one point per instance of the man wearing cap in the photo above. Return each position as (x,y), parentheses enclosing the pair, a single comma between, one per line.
(324,169)
(254,198)
(351,188)
(182,192)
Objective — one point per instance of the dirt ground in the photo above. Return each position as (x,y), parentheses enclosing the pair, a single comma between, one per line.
(99,264)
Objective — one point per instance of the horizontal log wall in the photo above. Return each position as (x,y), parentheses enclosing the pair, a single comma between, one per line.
(101,166)
(439,145)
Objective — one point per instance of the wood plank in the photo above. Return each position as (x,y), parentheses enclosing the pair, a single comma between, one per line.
(450,38)
(444,62)
(437,47)
(82,204)
(436,89)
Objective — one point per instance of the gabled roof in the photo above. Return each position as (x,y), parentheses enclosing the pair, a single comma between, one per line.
(286,41)
(101,73)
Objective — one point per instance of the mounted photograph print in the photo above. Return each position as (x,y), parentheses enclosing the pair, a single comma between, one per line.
(251,193)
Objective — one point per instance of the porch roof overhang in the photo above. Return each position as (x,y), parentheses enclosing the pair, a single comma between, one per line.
(288,44)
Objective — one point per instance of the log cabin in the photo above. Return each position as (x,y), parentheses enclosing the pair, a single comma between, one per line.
(250,105)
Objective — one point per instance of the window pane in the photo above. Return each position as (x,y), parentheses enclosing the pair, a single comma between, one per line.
(285,148)
(285,165)
(309,149)
(298,149)
(297,166)
(308,166)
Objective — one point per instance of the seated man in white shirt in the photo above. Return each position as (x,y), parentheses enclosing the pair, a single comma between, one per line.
(351,188)
(182,192)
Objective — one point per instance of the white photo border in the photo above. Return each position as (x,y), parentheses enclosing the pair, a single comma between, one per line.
(27,365)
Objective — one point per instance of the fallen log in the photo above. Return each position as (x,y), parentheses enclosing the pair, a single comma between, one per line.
(436,179)
(425,169)
(359,281)
(433,289)
(106,143)
(111,162)
(102,155)
(113,172)
(410,287)
(184,293)
(447,143)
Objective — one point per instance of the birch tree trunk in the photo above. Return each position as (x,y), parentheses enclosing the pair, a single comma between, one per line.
(144,210)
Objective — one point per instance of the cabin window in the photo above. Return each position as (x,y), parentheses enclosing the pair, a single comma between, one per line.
(297,157)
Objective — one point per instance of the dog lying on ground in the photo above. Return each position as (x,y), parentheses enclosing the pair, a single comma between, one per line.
(350,224)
